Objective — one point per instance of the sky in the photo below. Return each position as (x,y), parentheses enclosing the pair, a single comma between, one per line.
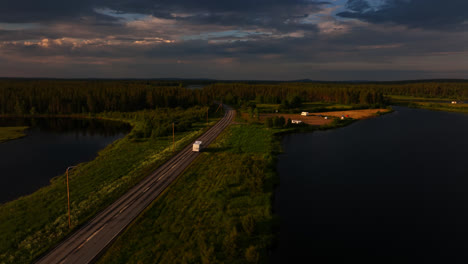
(332,40)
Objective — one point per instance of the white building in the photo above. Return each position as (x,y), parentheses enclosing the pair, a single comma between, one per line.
(305,113)
(296,121)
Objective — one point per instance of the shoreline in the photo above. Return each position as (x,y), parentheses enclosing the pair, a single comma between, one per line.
(278,149)
(129,160)
(12,133)
(285,175)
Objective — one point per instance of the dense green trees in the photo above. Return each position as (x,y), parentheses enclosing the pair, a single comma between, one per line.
(28,96)
(71,96)
(291,95)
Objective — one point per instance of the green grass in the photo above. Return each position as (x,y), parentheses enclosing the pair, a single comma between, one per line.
(447,107)
(322,107)
(412,98)
(307,107)
(437,104)
(9,133)
(218,211)
(30,225)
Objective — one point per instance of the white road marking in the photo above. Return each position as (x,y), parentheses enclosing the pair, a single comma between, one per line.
(90,237)
(123,209)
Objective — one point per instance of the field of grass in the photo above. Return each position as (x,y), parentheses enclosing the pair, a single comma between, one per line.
(321,106)
(30,225)
(437,104)
(218,211)
(9,133)
(412,98)
(447,107)
(306,107)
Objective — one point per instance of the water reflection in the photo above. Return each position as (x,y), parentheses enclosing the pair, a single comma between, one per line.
(392,189)
(51,145)
(67,125)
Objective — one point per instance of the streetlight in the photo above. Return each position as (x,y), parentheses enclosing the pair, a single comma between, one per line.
(68,196)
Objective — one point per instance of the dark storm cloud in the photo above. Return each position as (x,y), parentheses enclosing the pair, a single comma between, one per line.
(241,13)
(357,5)
(26,11)
(245,39)
(428,14)
(243,6)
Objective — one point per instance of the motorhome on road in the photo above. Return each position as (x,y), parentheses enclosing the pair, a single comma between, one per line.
(197,146)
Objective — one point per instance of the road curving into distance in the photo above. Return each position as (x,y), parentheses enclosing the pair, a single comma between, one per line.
(90,241)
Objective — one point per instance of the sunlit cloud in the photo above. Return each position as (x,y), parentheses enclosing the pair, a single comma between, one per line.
(233,39)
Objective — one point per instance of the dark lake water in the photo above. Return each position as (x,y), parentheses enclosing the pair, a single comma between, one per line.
(392,189)
(51,145)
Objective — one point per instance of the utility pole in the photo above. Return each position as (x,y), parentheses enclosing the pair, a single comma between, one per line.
(207,115)
(68,196)
(173,138)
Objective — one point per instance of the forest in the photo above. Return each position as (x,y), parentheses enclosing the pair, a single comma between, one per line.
(238,224)
(44,96)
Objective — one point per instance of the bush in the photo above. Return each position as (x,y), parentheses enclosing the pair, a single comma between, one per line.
(251,255)
(230,243)
(248,224)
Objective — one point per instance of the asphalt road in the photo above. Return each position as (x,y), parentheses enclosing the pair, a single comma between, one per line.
(90,241)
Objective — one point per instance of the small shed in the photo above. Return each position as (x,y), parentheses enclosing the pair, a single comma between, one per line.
(305,113)
(197,146)
(342,117)
(296,121)
(326,117)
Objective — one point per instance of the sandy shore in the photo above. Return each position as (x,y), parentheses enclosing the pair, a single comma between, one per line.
(318,119)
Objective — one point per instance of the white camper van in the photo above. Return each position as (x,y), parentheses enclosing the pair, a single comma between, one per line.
(197,146)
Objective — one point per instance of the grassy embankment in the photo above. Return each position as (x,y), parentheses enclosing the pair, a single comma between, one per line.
(32,224)
(220,209)
(438,104)
(9,133)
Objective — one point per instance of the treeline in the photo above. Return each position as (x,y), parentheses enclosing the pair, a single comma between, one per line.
(447,90)
(159,122)
(19,96)
(72,96)
(343,93)
(288,93)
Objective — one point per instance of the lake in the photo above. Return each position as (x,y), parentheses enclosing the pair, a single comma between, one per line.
(51,145)
(392,189)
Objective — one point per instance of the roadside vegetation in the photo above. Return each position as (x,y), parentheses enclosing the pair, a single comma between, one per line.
(9,133)
(30,225)
(218,211)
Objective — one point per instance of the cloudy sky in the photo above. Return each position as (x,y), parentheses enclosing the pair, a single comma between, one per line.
(242,39)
